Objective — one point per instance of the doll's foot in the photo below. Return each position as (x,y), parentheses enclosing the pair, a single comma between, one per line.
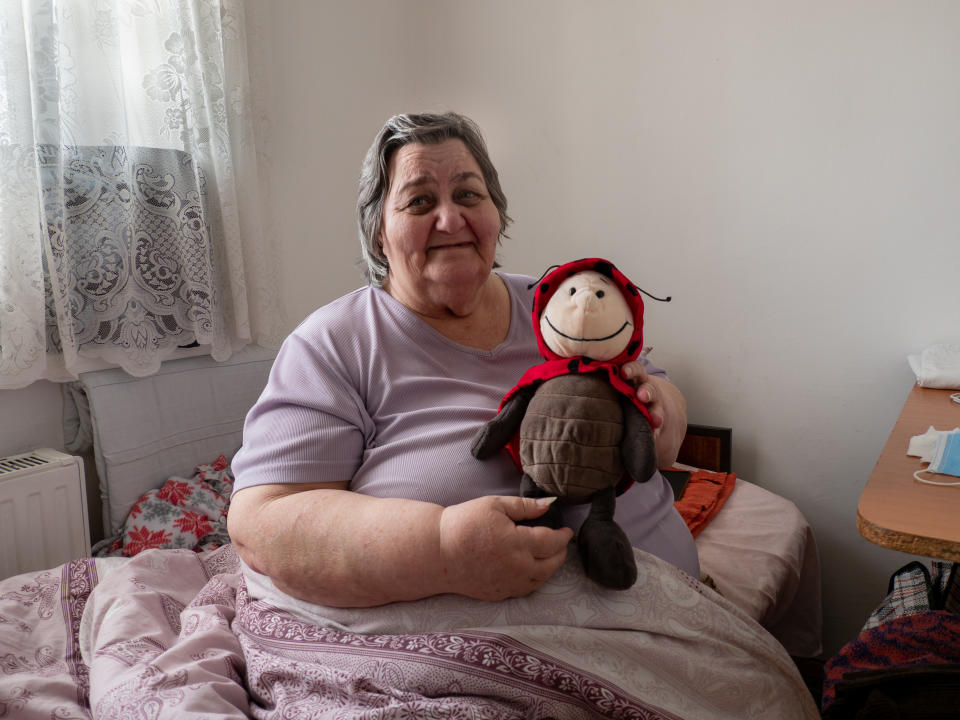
(606,554)
(552,518)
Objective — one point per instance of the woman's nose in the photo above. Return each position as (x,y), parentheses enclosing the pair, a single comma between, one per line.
(449,218)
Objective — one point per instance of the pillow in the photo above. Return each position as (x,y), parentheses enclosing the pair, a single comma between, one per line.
(189,514)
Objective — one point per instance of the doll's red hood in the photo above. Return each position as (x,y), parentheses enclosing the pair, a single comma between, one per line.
(549,284)
(557,365)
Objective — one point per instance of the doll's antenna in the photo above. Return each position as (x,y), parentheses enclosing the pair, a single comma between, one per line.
(668,298)
(545,273)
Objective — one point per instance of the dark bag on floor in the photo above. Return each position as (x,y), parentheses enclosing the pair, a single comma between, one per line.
(915,692)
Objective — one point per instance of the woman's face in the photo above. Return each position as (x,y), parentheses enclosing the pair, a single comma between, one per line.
(440,228)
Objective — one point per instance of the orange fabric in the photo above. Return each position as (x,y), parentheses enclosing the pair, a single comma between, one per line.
(705,494)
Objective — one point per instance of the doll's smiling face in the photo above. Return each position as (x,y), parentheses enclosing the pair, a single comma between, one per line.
(587,315)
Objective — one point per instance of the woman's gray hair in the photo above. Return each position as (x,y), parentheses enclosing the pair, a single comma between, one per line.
(400,130)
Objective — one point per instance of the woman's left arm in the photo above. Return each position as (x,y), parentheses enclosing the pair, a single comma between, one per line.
(668,410)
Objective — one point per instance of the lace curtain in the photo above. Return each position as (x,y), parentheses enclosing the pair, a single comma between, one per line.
(130,222)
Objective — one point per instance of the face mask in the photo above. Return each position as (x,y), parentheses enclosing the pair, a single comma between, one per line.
(922,446)
(945,459)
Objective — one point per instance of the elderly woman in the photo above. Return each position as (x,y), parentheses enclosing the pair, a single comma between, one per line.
(355,485)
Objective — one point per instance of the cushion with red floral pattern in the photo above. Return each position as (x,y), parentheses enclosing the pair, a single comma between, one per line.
(183,513)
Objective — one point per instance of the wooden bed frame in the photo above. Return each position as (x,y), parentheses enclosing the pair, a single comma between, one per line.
(707,447)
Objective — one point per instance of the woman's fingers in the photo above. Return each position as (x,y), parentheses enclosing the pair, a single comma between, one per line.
(545,543)
(636,372)
(524,508)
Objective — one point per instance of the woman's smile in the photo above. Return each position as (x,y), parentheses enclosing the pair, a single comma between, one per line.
(452,246)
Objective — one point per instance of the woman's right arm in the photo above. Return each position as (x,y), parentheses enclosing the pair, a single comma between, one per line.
(325,544)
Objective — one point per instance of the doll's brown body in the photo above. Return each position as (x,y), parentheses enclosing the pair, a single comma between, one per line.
(570,437)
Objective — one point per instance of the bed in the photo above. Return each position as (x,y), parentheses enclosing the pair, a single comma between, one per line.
(168,628)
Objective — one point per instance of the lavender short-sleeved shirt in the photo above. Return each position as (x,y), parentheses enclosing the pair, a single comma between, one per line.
(365,392)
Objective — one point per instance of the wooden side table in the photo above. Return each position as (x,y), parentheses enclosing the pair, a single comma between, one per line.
(897,511)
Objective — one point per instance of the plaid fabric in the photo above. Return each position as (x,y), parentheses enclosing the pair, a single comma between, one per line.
(908,594)
(914,589)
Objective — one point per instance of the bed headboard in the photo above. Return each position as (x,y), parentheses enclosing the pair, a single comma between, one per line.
(708,447)
(145,430)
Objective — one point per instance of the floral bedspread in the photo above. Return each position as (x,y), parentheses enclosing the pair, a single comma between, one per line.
(177,634)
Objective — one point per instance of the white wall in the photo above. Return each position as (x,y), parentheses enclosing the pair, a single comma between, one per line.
(788,171)
(31,418)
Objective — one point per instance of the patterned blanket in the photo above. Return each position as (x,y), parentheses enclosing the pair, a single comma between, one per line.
(177,634)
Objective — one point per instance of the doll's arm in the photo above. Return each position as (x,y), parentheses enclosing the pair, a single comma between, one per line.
(638,449)
(497,432)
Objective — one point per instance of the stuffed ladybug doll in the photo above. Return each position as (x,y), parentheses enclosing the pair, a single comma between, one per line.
(572,424)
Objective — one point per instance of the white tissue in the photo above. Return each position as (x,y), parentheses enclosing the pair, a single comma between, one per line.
(937,367)
(924,446)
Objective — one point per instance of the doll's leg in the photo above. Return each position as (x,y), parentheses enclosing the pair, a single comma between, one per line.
(604,547)
(551,518)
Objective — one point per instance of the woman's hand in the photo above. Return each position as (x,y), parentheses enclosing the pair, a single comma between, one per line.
(487,556)
(667,407)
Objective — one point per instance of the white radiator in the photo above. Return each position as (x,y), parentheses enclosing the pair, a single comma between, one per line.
(43,511)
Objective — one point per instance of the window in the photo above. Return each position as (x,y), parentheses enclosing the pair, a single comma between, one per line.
(126,230)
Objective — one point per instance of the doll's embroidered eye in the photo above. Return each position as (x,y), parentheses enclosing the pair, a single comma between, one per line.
(573,291)
(600,293)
